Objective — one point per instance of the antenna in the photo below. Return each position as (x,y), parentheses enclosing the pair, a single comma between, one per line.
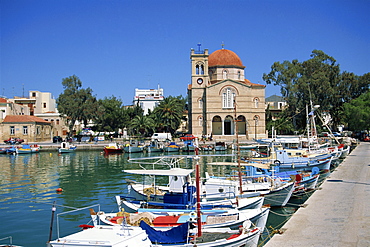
(22,90)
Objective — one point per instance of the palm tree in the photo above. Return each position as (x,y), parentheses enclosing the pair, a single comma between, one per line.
(142,124)
(170,112)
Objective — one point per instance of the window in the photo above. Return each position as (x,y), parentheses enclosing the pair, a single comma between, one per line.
(38,131)
(200,103)
(224,74)
(256,103)
(228,98)
(200,119)
(57,121)
(44,105)
(25,130)
(239,75)
(12,130)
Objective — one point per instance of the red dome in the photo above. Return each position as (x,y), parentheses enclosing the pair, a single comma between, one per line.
(224,57)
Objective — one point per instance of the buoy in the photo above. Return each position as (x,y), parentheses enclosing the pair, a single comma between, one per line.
(50,154)
(59,190)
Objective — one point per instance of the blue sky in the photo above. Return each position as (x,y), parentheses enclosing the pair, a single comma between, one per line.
(116,46)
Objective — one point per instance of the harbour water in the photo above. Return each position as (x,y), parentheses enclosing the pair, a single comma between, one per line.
(29,183)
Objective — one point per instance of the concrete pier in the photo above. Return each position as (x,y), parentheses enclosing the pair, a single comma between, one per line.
(338,214)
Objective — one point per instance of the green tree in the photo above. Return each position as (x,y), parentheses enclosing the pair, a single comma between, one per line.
(76,103)
(170,113)
(142,125)
(317,80)
(357,112)
(113,116)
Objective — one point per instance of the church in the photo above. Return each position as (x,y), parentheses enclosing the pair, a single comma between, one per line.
(222,103)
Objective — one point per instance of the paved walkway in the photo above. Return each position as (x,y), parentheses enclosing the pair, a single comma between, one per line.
(338,214)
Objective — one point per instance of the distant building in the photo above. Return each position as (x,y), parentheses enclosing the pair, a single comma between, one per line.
(275,104)
(221,100)
(148,99)
(8,107)
(29,128)
(42,105)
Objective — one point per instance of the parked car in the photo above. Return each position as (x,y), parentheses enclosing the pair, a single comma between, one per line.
(13,141)
(57,139)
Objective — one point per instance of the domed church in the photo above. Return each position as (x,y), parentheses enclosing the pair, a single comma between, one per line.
(221,101)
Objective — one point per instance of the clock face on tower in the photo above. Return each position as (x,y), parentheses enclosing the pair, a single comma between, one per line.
(200,81)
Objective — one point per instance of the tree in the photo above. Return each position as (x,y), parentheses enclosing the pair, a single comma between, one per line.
(142,124)
(317,80)
(113,116)
(357,112)
(76,103)
(169,112)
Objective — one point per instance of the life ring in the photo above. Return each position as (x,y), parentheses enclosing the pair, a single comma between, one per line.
(277,163)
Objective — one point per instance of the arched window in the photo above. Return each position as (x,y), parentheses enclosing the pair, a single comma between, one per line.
(202,69)
(255,102)
(200,121)
(200,101)
(224,74)
(228,96)
(239,75)
(197,69)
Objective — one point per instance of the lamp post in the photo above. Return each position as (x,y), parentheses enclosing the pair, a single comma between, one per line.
(255,127)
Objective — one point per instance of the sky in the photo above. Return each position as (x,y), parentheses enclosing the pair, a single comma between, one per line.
(116,46)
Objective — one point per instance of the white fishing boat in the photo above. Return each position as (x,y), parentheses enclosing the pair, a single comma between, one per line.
(160,219)
(66,147)
(179,193)
(99,235)
(104,236)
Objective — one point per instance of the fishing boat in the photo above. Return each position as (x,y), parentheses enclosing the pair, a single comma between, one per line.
(103,235)
(155,146)
(171,147)
(185,235)
(246,236)
(113,148)
(133,147)
(27,149)
(179,193)
(66,147)
(189,145)
(220,146)
(275,191)
(231,218)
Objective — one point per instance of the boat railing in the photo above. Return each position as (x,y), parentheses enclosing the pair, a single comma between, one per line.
(72,211)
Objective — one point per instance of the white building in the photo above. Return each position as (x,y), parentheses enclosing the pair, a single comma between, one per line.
(148,98)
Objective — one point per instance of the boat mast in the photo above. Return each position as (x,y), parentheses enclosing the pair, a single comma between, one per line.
(197,181)
(238,151)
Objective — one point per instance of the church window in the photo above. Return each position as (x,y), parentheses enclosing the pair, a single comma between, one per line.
(201,103)
(224,74)
(197,69)
(202,69)
(228,98)
(200,119)
(239,75)
(256,103)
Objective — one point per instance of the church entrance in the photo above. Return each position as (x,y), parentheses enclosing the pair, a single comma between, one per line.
(228,126)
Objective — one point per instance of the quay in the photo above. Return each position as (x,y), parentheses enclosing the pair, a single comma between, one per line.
(338,214)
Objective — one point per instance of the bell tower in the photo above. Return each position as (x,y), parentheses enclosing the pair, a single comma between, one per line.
(197,90)
(199,67)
